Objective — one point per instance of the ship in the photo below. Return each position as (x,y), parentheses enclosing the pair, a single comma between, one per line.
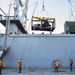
(35,50)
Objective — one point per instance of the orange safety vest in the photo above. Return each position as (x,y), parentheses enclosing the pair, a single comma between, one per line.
(1,64)
(19,64)
(71,62)
(57,63)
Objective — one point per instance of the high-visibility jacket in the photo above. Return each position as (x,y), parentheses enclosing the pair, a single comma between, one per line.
(71,62)
(1,64)
(57,63)
(19,64)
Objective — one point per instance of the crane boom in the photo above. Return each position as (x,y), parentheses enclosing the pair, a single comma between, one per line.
(20,3)
(16,8)
(3,11)
(24,14)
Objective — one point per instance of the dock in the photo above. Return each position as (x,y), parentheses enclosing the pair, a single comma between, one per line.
(38,72)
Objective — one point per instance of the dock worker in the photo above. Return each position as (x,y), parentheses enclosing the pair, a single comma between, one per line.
(1,66)
(57,63)
(71,64)
(19,66)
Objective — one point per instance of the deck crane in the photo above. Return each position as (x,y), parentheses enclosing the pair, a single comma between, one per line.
(24,14)
(16,11)
(4,49)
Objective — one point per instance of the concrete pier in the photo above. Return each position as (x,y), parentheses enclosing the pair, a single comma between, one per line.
(38,72)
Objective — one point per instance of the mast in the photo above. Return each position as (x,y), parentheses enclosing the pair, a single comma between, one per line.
(6,32)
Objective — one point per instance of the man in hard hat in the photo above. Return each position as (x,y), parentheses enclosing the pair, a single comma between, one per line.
(71,64)
(1,65)
(57,63)
(19,66)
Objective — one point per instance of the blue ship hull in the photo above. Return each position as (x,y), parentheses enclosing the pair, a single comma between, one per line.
(39,51)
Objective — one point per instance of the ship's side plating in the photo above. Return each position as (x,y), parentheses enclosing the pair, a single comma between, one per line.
(39,51)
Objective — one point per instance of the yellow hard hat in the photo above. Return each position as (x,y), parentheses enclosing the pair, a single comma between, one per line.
(19,60)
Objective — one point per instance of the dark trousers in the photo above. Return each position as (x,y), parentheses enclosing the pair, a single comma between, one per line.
(20,69)
(70,67)
(56,68)
(0,69)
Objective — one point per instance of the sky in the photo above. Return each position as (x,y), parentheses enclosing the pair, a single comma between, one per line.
(58,9)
